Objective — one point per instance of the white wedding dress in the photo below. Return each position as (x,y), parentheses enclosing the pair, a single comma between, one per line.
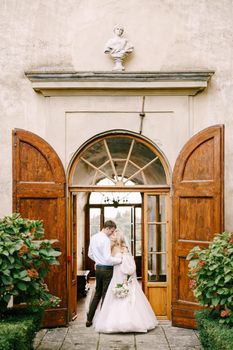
(131,313)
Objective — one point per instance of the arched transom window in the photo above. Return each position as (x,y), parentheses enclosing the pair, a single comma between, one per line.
(124,161)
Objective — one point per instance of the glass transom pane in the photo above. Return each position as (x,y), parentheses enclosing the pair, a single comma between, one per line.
(123,160)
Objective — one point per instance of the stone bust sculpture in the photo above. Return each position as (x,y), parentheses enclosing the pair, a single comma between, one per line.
(118,47)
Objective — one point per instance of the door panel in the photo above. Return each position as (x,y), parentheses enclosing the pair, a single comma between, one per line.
(158,300)
(39,193)
(157,253)
(185,293)
(197,212)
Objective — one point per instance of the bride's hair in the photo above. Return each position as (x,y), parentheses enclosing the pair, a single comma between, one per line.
(118,240)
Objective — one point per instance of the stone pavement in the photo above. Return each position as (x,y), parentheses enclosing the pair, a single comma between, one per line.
(78,337)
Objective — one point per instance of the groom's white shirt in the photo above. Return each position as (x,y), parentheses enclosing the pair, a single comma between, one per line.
(100,250)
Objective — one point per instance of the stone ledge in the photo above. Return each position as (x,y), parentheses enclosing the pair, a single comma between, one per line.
(184,83)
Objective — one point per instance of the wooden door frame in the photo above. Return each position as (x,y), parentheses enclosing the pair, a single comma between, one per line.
(93,188)
(146,190)
(166,284)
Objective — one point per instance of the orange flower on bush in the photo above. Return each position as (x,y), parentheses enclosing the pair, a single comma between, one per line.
(193,272)
(32,273)
(231,239)
(202,263)
(192,284)
(225,313)
(23,250)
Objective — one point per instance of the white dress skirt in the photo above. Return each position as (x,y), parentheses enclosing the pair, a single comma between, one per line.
(131,313)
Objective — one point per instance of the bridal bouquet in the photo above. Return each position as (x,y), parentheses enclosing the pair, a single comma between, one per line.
(121,290)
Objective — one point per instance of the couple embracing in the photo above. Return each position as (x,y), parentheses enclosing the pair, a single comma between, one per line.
(119,304)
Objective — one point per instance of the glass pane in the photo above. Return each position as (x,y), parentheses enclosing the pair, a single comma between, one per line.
(152,247)
(156,208)
(96,154)
(141,154)
(162,235)
(119,146)
(107,169)
(156,218)
(94,220)
(151,208)
(115,197)
(122,217)
(130,171)
(162,208)
(157,268)
(157,238)
(155,173)
(83,174)
(138,232)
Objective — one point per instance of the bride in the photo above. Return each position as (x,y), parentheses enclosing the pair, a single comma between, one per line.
(125,307)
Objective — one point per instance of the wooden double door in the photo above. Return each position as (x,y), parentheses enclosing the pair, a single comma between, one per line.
(39,192)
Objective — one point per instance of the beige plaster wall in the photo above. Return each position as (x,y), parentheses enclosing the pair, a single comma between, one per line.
(168,35)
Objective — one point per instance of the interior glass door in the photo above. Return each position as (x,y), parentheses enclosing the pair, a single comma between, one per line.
(128,218)
(157,253)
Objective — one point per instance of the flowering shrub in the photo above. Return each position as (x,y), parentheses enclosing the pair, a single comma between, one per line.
(211,276)
(24,262)
(121,290)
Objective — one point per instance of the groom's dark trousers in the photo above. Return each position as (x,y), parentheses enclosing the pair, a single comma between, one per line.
(103,275)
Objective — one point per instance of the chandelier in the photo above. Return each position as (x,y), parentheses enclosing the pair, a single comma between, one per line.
(115,199)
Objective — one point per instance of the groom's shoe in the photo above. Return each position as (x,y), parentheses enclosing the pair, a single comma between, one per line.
(88,323)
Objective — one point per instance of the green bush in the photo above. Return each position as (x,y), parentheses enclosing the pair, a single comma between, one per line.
(25,260)
(18,328)
(213,336)
(211,276)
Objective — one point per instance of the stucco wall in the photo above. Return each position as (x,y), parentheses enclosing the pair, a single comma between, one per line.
(70,35)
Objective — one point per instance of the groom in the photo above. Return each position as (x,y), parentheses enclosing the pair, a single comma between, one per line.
(100,252)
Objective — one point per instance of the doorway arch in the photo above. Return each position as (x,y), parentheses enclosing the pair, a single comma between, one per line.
(122,135)
(128,163)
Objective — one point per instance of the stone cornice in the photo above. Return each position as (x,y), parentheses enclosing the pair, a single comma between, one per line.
(60,83)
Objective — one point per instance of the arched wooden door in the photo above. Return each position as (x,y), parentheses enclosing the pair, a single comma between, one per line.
(39,193)
(197,211)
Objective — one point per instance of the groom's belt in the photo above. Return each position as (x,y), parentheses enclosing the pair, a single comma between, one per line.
(104,267)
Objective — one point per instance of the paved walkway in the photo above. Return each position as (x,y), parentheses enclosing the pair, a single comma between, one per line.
(78,337)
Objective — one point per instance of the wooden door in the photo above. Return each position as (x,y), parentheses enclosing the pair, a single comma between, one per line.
(197,212)
(39,193)
(156,276)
